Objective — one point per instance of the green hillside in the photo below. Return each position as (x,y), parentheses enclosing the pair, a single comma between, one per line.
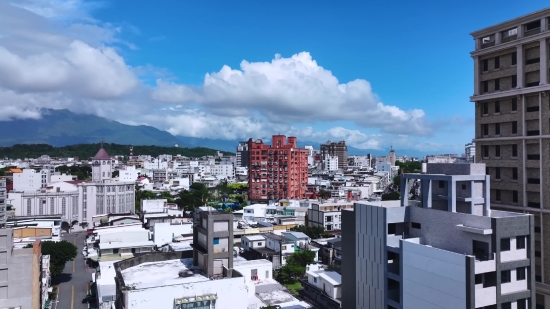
(84,151)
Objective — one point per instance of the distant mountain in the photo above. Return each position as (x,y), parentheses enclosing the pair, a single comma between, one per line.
(63,127)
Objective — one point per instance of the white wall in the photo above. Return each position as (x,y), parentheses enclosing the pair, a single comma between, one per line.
(28,180)
(433,278)
(124,236)
(153,206)
(164,232)
(231,293)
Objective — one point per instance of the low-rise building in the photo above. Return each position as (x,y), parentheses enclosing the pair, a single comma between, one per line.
(323,287)
(328,214)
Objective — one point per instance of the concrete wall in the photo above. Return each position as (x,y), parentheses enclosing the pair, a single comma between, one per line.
(438,229)
(164,232)
(370,263)
(433,278)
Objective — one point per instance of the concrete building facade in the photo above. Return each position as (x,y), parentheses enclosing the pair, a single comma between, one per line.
(339,150)
(447,249)
(512,129)
(277,171)
(3,204)
(242,155)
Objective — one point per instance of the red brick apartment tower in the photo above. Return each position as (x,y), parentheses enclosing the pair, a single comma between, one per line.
(278,171)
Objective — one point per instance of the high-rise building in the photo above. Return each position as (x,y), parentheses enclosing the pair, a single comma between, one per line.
(3,197)
(446,249)
(512,128)
(242,155)
(339,150)
(277,171)
(470,152)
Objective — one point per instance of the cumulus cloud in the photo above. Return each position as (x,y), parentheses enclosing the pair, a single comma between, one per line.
(294,89)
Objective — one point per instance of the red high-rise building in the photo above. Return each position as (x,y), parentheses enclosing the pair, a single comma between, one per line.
(276,171)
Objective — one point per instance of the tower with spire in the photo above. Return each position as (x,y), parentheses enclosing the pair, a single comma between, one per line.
(391,156)
(102,167)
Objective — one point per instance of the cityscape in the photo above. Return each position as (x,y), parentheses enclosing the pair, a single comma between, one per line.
(103,209)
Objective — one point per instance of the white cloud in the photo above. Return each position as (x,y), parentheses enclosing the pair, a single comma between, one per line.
(294,89)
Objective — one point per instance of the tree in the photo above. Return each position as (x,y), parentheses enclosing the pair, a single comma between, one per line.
(409,166)
(301,258)
(60,253)
(269,307)
(397,181)
(324,194)
(392,196)
(290,272)
(313,232)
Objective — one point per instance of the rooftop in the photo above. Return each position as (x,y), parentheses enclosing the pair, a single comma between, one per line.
(156,274)
(254,237)
(242,263)
(102,155)
(112,245)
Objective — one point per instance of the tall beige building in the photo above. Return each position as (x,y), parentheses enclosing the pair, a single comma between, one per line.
(511,95)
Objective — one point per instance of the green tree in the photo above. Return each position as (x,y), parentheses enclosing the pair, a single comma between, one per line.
(313,232)
(289,273)
(60,253)
(301,258)
(392,196)
(409,166)
(397,181)
(268,307)
(324,194)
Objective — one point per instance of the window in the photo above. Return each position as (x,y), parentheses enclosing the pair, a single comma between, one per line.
(514,104)
(522,304)
(497,172)
(514,150)
(538,253)
(533,181)
(497,62)
(507,305)
(520,273)
(514,127)
(497,107)
(532,25)
(463,186)
(514,82)
(485,65)
(260,243)
(505,276)
(267,274)
(497,195)
(486,129)
(486,86)
(63,207)
(497,128)
(533,132)
(520,242)
(532,60)
(283,247)
(514,58)
(497,151)
(485,108)
(515,196)
(28,207)
(479,278)
(497,84)
(514,173)
(441,184)
(216,241)
(537,229)
(314,280)
(505,244)
(533,157)
(416,225)
(485,151)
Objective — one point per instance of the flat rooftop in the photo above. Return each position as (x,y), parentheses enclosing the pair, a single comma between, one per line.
(157,274)
(242,263)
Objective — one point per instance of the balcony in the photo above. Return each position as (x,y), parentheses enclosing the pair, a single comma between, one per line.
(485,296)
(485,265)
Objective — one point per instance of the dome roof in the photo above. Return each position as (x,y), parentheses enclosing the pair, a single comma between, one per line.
(102,155)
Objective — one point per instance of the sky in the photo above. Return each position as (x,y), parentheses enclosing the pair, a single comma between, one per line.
(371,73)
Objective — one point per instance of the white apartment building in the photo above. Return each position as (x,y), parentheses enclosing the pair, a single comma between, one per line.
(155,164)
(79,200)
(30,180)
(470,151)
(330,163)
(327,215)
(225,170)
(128,173)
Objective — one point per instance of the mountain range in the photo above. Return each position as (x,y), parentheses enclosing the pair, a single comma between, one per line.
(63,127)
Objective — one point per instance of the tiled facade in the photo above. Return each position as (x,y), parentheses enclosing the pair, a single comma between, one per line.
(512,107)
(278,171)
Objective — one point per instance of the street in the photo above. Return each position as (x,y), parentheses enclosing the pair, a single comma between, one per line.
(73,282)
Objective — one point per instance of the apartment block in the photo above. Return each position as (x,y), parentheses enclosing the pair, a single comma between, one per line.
(332,149)
(242,155)
(3,205)
(277,171)
(445,249)
(512,110)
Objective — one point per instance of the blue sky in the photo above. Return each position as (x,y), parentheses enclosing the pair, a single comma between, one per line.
(144,63)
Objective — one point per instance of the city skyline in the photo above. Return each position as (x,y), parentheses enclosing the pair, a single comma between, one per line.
(199,71)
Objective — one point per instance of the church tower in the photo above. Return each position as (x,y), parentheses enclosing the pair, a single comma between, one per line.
(391,156)
(102,167)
